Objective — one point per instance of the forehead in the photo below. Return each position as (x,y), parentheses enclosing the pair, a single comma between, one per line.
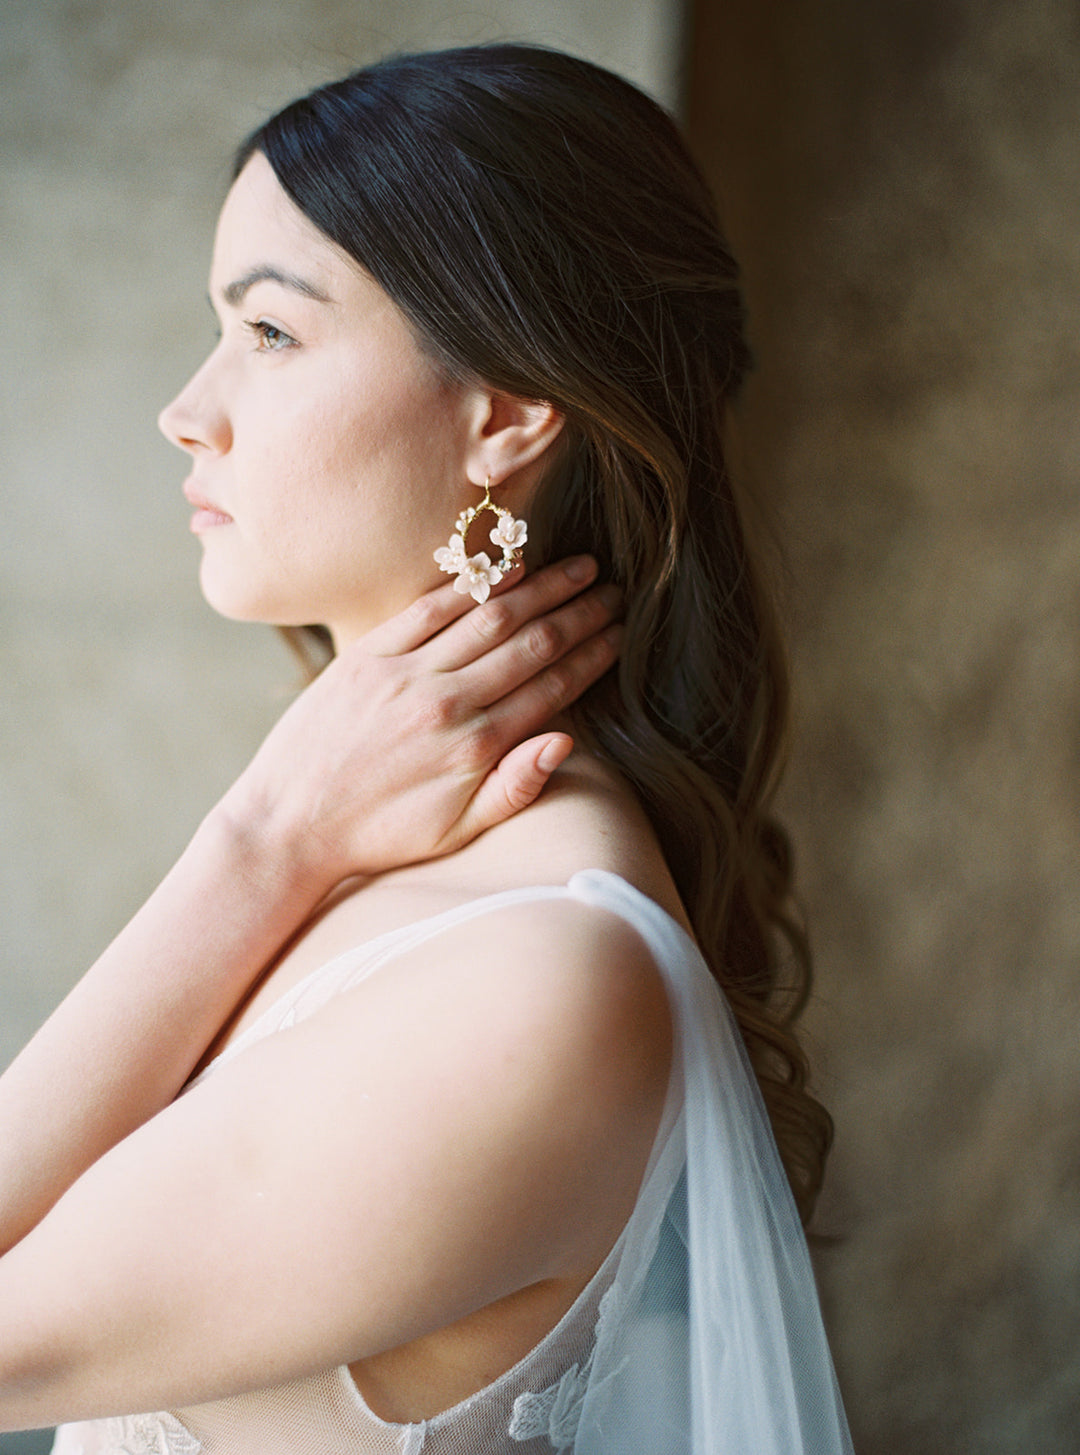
(260,225)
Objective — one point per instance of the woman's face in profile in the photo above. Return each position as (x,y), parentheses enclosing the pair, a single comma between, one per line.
(328,452)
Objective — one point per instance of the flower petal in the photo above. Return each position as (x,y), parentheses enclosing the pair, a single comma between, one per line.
(451,557)
(510,533)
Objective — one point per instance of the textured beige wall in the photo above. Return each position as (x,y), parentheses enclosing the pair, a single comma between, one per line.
(126,705)
(903,183)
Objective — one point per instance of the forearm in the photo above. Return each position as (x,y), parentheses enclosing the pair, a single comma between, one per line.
(125,1040)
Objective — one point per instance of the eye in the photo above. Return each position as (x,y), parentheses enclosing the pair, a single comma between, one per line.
(268,337)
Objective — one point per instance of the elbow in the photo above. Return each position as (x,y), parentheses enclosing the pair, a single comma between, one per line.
(28,1394)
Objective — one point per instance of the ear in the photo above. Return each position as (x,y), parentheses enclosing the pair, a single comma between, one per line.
(508,436)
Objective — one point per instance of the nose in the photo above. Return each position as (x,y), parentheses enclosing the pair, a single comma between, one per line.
(196,419)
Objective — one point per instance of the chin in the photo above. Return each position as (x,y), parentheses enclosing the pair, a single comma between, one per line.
(242,597)
(237,601)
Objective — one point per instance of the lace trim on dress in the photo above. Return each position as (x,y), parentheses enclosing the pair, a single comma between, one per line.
(556,1411)
(160,1434)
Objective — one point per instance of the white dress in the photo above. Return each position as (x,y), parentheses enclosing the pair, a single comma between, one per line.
(701,1333)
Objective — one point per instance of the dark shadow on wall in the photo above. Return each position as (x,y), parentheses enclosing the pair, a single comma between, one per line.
(900,182)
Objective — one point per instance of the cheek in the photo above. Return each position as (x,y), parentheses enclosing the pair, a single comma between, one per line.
(396,445)
(335,502)
(362,450)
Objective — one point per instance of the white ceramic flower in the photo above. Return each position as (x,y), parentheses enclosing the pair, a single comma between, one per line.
(510,534)
(477,576)
(452,558)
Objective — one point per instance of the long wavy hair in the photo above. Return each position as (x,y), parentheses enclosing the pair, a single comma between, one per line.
(542,225)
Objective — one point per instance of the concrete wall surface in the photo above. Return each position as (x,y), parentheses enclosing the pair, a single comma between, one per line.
(902,181)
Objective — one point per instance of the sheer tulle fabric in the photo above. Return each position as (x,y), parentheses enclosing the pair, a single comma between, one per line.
(701,1333)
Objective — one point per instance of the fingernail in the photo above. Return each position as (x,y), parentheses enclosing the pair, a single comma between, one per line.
(552,755)
(611,596)
(580,568)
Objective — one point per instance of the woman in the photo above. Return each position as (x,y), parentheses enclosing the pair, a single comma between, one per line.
(470,1155)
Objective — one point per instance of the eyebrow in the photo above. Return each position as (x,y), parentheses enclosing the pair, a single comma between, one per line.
(233,293)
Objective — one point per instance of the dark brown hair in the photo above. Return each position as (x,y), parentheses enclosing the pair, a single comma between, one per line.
(542,225)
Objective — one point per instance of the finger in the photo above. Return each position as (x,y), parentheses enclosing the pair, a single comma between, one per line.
(514,783)
(431,613)
(500,617)
(537,645)
(418,623)
(535,702)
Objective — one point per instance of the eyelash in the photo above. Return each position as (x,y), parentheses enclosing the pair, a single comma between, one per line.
(269,338)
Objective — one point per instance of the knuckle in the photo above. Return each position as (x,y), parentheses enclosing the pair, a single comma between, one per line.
(594,659)
(600,648)
(559,685)
(480,744)
(493,620)
(589,616)
(543,641)
(519,794)
(424,615)
(436,712)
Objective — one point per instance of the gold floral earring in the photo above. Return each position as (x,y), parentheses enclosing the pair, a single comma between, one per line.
(475,574)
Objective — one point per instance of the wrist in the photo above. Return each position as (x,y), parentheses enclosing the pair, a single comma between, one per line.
(253,846)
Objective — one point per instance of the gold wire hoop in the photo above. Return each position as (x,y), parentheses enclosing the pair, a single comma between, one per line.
(511,553)
(476,574)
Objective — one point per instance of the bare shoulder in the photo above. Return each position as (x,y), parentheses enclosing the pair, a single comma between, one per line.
(567,991)
(567,969)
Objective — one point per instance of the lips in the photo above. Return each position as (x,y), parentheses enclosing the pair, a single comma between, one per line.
(207,514)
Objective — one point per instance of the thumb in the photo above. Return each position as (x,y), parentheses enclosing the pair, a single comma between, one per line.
(514,782)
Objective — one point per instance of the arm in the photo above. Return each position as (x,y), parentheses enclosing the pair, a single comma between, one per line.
(394,1182)
(387,758)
